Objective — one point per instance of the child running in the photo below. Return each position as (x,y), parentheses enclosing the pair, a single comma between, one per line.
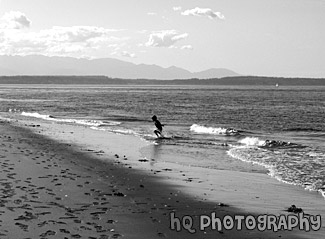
(159,126)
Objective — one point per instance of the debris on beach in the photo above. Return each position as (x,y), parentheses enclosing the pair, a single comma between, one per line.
(119,194)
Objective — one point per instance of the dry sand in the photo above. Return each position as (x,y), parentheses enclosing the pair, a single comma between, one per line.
(65,181)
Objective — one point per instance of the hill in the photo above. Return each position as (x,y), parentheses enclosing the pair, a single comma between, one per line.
(43,65)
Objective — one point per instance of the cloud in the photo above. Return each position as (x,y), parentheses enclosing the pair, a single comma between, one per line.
(67,41)
(165,38)
(177,8)
(152,13)
(14,20)
(187,47)
(203,12)
(76,33)
(142,31)
(127,54)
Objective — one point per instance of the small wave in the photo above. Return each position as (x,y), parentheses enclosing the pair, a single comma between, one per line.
(210,130)
(296,166)
(36,115)
(96,123)
(269,144)
(303,129)
(243,153)
(280,144)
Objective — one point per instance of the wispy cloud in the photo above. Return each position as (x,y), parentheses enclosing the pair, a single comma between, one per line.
(203,12)
(152,14)
(127,54)
(177,8)
(165,38)
(14,20)
(77,34)
(186,47)
(59,40)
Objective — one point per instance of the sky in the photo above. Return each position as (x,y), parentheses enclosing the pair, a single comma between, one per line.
(282,38)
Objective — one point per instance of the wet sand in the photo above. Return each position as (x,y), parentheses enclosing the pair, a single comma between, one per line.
(64,181)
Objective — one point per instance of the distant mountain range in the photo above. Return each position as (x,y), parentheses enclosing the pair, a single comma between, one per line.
(43,65)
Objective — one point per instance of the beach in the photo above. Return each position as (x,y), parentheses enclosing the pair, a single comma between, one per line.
(69,181)
(162,119)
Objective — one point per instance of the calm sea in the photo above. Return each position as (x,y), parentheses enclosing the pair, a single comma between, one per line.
(280,130)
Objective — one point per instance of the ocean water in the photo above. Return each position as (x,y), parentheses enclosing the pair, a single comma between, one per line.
(278,130)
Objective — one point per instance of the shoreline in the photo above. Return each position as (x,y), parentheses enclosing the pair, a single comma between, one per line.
(245,193)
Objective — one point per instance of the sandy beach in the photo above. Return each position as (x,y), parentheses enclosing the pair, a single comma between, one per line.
(68,181)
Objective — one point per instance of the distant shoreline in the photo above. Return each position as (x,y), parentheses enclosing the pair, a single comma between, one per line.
(104,80)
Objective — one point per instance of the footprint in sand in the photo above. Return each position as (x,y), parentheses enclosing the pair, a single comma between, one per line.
(41,224)
(116,235)
(99,229)
(48,233)
(64,231)
(160,234)
(86,228)
(96,217)
(22,226)
(76,236)
(28,216)
(18,201)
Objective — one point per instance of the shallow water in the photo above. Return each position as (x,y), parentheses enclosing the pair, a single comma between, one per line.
(217,127)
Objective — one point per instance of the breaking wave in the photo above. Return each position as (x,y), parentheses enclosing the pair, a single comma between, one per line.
(87,122)
(211,130)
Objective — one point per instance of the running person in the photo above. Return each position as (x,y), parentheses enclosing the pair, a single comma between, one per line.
(158,125)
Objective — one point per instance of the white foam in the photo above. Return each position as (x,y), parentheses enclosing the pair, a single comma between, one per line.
(252,141)
(97,128)
(95,123)
(117,131)
(36,115)
(233,152)
(275,171)
(211,130)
